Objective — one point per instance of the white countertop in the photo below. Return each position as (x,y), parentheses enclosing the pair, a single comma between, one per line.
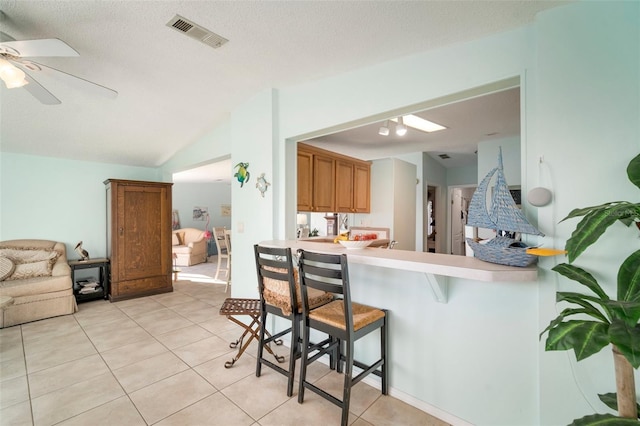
(429,263)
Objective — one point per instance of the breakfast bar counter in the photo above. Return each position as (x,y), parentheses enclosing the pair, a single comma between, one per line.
(436,267)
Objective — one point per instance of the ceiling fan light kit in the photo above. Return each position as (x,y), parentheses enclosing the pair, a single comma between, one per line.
(12,76)
(16,71)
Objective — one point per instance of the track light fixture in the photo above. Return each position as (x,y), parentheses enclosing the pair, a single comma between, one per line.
(401,129)
(384,129)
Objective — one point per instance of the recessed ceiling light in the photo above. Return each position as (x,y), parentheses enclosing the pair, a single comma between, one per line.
(420,123)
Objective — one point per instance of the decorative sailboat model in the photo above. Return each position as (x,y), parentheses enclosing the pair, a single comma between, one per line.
(505,218)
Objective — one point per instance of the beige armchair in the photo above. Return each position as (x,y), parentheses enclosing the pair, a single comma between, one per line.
(189,246)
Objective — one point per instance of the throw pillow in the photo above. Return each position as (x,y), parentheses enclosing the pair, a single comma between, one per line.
(31,270)
(180,238)
(29,255)
(174,239)
(6,268)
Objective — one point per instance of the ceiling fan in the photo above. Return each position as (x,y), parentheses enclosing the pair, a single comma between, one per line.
(17,71)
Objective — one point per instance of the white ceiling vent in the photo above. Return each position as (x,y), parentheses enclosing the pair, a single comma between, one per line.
(196,31)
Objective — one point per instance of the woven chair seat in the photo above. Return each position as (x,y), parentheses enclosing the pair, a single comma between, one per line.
(333,314)
(276,293)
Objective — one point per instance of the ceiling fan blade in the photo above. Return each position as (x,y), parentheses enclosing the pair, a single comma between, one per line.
(5,37)
(43,47)
(75,81)
(39,92)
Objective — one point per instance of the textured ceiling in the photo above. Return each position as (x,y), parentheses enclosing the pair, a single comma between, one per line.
(173,89)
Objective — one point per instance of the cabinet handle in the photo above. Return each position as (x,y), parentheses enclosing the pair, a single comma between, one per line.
(121,232)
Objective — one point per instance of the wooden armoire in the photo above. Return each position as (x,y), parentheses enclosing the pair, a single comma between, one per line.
(138,237)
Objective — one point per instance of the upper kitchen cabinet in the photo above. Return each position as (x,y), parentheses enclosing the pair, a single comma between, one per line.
(330,182)
(362,188)
(352,186)
(305,181)
(316,180)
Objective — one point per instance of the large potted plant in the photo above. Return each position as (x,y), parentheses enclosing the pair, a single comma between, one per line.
(598,320)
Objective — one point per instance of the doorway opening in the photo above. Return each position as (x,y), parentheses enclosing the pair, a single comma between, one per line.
(431,235)
(460,199)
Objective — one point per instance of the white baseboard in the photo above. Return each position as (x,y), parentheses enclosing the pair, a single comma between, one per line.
(375,381)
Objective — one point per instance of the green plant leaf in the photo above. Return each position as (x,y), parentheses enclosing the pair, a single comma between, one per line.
(584,337)
(593,225)
(581,212)
(633,171)
(629,278)
(583,300)
(627,339)
(564,314)
(611,401)
(603,420)
(622,310)
(583,277)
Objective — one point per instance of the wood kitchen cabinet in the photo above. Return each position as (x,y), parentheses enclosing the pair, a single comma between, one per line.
(305,181)
(330,182)
(362,188)
(324,167)
(138,237)
(316,180)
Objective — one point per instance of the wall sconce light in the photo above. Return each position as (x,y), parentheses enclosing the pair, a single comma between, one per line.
(401,129)
(384,129)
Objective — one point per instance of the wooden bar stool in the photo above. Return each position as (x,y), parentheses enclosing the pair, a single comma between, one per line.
(343,320)
(280,296)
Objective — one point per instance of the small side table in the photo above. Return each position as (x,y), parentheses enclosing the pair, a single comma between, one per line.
(102,265)
(233,307)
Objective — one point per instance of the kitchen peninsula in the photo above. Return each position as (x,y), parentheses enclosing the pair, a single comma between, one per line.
(437,267)
(442,308)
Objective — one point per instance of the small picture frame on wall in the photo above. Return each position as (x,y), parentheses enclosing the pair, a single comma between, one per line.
(200,213)
(225,210)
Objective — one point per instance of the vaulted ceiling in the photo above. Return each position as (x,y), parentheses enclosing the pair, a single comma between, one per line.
(173,89)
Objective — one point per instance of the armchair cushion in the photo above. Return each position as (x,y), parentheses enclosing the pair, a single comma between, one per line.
(191,248)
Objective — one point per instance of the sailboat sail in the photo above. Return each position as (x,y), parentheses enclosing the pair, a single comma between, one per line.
(503,215)
(478,213)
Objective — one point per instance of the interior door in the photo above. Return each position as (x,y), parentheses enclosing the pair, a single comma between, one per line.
(457,223)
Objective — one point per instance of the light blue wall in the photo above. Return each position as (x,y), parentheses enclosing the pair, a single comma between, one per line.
(60,200)
(488,159)
(586,129)
(211,195)
(459,176)
(212,147)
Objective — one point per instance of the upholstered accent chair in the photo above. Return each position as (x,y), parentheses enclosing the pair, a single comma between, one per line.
(189,246)
(37,281)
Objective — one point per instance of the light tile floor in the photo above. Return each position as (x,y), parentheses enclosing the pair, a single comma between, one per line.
(160,360)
